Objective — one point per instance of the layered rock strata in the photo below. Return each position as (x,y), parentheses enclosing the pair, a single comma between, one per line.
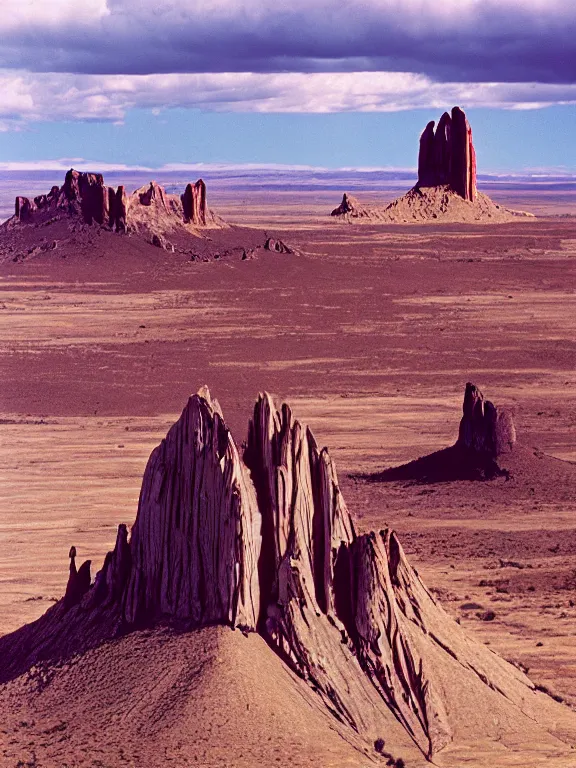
(265,543)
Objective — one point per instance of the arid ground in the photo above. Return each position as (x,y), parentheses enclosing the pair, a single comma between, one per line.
(370,333)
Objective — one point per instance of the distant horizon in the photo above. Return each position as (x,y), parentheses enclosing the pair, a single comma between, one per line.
(91,166)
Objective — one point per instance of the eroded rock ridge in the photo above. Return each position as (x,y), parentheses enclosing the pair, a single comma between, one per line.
(265,543)
(86,196)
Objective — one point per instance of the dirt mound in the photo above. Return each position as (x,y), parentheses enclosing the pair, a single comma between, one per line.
(426,204)
(155,698)
(351,207)
(266,545)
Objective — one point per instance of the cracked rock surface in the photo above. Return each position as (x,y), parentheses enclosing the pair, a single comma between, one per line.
(265,544)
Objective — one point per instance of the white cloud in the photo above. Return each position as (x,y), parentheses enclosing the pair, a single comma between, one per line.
(50,13)
(38,97)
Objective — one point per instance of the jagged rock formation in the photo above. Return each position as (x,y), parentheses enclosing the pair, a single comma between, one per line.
(149,210)
(485,435)
(351,206)
(276,246)
(266,544)
(485,429)
(446,188)
(194,203)
(198,501)
(447,155)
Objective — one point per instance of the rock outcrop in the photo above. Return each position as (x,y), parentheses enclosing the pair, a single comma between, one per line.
(194,203)
(149,210)
(276,246)
(484,429)
(446,188)
(447,155)
(485,435)
(265,543)
(78,581)
(351,207)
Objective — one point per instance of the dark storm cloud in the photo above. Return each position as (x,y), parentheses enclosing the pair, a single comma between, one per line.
(447,40)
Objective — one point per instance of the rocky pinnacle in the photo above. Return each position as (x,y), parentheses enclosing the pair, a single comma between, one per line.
(86,196)
(264,543)
(447,155)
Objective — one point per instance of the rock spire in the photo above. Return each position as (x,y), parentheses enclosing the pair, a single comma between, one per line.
(446,188)
(447,155)
(485,430)
(150,208)
(265,543)
(194,203)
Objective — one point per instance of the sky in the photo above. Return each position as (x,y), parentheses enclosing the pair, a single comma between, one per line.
(321,83)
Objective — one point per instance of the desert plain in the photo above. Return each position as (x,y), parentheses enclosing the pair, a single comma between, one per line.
(370,333)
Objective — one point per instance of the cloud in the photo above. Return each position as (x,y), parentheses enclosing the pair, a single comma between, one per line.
(32,97)
(446,40)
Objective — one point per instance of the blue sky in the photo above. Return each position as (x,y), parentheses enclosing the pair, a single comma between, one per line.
(318,82)
(506,141)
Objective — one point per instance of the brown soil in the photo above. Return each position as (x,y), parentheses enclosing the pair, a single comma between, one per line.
(428,204)
(371,337)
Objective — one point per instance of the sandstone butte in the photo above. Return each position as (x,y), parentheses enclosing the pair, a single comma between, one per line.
(447,155)
(265,544)
(446,188)
(148,209)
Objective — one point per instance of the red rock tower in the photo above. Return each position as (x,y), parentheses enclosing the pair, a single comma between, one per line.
(447,155)
(194,203)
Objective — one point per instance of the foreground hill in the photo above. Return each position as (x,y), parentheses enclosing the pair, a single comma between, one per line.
(338,625)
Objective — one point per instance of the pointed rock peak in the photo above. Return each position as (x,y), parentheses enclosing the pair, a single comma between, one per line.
(447,155)
(204,393)
(198,505)
(348,205)
(267,544)
(484,428)
(150,209)
(352,208)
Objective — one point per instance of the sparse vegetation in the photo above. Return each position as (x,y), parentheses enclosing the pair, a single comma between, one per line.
(393,762)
